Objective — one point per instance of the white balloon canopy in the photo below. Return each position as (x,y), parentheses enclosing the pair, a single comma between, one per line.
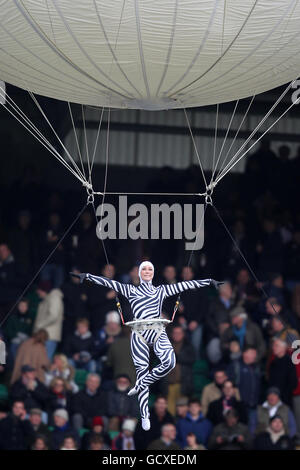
(149,54)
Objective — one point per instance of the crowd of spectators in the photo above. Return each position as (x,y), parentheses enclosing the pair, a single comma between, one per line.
(236,384)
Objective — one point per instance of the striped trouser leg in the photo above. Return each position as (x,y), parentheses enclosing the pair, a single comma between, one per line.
(140,356)
(165,353)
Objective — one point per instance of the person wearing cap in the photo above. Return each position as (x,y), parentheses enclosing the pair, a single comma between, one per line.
(125,440)
(281,371)
(246,332)
(49,315)
(37,427)
(274,437)
(182,407)
(146,303)
(270,407)
(62,429)
(98,430)
(30,389)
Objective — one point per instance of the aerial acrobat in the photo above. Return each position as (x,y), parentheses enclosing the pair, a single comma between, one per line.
(146,303)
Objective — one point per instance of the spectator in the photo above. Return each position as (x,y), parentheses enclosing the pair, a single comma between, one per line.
(125,440)
(159,416)
(282,372)
(275,437)
(69,443)
(194,422)
(213,391)
(59,396)
(192,442)
(292,261)
(217,321)
(108,334)
(182,408)
(166,440)
(33,352)
(118,402)
(62,429)
(230,434)
(80,347)
(119,360)
(18,327)
(97,443)
(280,329)
(53,271)
(50,315)
(245,331)
(246,375)
(97,431)
(15,428)
(219,407)
(192,308)
(60,368)
(90,402)
(10,279)
(40,443)
(30,390)
(269,249)
(180,379)
(37,427)
(271,407)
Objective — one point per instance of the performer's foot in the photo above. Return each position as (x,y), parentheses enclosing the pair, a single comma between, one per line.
(146,424)
(133,391)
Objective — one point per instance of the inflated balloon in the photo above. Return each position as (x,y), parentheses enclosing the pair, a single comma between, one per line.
(149,54)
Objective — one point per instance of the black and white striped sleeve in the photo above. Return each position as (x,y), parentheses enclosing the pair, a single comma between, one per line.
(123,289)
(173,289)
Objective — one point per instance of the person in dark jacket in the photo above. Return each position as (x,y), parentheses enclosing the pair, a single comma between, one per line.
(59,397)
(180,379)
(194,422)
(97,431)
(159,416)
(75,303)
(36,427)
(80,348)
(15,428)
(282,372)
(118,402)
(62,429)
(246,375)
(218,408)
(230,434)
(89,402)
(246,332)
(30,390)
(275,437)
(167,439)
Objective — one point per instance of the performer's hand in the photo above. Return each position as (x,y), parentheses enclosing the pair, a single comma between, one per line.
(216,284)
(81,276)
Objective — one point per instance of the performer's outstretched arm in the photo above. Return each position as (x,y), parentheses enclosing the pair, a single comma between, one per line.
(173,289)
(123,289)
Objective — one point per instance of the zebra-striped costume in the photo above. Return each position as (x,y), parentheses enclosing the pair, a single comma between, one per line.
(146,303)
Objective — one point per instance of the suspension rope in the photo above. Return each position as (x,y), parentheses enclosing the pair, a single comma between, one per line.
(232,163)
(23,119)
(42,266)
(76,138)
(242,255)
